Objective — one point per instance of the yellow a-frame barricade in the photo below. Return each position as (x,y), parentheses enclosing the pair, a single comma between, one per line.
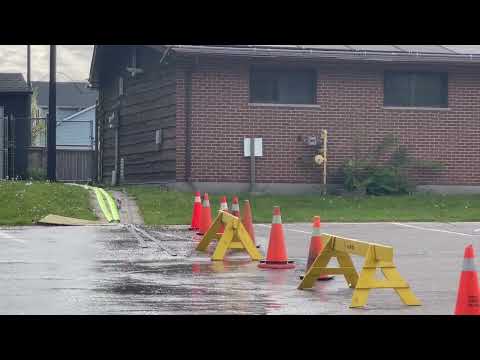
(234,236)
(376,257)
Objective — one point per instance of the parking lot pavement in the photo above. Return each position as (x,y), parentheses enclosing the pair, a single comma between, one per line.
(428,255)
(107,270)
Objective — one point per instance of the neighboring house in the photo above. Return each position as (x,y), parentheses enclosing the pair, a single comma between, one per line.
(77,131)
(15,97)
(75,114)
(179,114)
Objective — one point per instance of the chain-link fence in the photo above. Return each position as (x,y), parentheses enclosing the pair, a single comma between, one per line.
(24,155)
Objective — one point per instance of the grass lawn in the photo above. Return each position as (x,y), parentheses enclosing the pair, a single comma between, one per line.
(161,207)
(21,203)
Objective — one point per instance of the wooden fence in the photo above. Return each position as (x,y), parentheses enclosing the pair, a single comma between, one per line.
(72,165)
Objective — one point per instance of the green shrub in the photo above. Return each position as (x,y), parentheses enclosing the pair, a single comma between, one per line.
(371,176)
(37,174)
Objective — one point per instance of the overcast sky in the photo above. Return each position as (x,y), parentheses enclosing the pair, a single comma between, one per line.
(73,61)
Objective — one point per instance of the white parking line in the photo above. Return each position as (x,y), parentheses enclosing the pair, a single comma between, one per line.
(298,231)
(10,237)
(393,223)
(430,229)
(286,228)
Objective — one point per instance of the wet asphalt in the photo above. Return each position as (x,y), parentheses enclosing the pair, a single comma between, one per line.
(106,270)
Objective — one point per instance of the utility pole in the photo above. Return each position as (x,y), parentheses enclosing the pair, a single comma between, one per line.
(52,118)
(29,69)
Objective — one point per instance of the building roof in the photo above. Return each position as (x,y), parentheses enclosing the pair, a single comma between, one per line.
(77,114)
(13,83)
(417,49)
(400,53)
(420,49)
(456,54)
(69,94)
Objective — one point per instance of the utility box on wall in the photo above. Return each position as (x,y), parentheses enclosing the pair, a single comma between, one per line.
(112,120)
(311,140)
(258,143)
(158,139)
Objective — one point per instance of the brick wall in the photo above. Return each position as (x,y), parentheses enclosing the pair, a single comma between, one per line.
(349,105)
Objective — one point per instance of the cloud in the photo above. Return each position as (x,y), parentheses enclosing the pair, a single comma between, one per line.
(73,61)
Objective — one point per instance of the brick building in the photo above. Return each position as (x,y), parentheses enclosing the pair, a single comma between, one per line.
(179,114)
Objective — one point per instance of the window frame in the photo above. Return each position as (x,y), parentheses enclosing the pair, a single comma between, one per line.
(282,69)
(412,78)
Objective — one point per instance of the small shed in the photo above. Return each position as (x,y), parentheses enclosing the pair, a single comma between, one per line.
(15,126)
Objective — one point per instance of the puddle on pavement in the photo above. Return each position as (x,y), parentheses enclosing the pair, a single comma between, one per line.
(192,283)
(106,271)
(161,284)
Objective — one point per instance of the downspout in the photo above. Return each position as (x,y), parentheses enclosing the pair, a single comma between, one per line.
(94,138)
(119,108)
(117,153)
(100,123)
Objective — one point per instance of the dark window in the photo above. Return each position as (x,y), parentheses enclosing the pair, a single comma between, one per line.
(282,86)
(419,89)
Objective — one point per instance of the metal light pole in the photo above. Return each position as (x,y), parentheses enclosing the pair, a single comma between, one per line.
(52,118)
(29,82)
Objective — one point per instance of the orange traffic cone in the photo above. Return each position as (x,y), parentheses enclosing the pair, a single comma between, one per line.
(223,207)
(277,252)
(197,211)
(316,247)
(206,216)
(468,298)
(247,220)
(223,204)
(235,207)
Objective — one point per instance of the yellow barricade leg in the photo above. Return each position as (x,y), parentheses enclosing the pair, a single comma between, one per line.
(316,269)
(211,234)
(376,257)
(405,293)
(346,263)
(223,243)
(368,281)
(236,244)
(319,267)
(247,242)
(235,236)
(365,280)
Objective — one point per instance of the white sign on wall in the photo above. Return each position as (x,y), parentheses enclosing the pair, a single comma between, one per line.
(258,143)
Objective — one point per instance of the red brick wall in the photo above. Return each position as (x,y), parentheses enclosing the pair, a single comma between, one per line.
(349,104)
(180,125)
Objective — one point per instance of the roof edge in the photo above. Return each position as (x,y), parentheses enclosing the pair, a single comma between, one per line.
(305,53)
(91,80)
(79,113)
